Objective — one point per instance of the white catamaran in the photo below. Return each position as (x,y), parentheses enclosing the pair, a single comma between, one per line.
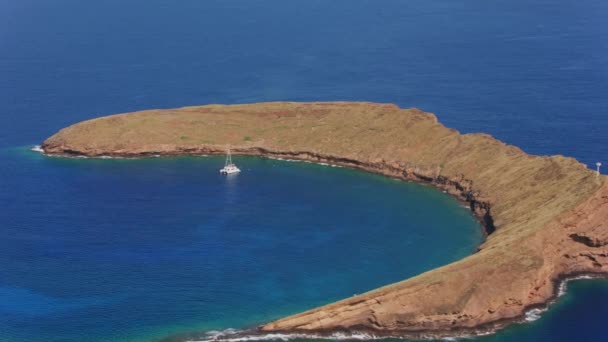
(229,167)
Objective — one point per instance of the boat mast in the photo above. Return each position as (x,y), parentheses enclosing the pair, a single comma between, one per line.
(228,157)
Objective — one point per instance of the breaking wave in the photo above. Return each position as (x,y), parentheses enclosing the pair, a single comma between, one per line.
(37,148)
(304,161)
(564,284)
(536,313)
(233,335)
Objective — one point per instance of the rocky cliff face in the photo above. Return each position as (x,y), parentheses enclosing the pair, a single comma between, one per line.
(546,216)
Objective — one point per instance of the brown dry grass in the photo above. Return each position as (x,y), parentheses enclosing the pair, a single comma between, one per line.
(527,193)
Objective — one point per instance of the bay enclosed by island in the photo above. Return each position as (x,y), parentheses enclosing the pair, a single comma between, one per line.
(544,215)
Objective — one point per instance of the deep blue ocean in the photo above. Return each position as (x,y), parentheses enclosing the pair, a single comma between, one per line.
(137,250)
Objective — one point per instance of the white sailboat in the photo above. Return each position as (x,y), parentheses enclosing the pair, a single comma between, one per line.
(229,167)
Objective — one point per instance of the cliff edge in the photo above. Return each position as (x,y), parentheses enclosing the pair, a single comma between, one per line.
(546,216)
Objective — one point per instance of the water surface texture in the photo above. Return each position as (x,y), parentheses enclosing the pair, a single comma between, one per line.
(122,248)
(118,250)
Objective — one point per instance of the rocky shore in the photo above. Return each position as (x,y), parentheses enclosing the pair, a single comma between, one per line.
(545,216)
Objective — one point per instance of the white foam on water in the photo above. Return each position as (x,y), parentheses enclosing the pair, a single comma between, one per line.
(534,314)
(283,159)
(562,288)
(327,164)
(112,157)
(232,335)
(37,148)
(564,285)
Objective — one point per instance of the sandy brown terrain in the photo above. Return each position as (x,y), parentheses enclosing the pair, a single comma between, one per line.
(547,216)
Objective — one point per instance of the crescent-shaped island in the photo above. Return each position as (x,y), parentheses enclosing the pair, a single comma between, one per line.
(546,217)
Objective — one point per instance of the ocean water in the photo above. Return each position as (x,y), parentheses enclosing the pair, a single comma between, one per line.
(125,250)
(115,250)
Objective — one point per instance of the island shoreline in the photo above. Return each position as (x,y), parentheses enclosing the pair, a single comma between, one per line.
(484,329)
(484,219)
(543,217)
(364,333)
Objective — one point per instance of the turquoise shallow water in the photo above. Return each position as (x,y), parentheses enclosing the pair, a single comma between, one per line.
(113,250)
